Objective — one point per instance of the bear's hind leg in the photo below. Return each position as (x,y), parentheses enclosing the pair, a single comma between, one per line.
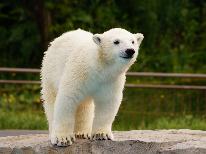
(49,97)
(84,119)
(49,111)
(67,101)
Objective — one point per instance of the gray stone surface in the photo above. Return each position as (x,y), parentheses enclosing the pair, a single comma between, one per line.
(10,132)
(131,142)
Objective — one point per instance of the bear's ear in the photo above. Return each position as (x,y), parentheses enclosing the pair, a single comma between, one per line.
(139,37)
(97,39)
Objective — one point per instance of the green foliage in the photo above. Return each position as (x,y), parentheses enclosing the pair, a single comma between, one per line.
(20,108)
(22,120)
(19,39)
(175,36)
(174,31)
(125,122)
(20,98)
(36,120)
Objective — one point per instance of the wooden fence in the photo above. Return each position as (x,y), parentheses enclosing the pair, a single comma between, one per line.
(132,74)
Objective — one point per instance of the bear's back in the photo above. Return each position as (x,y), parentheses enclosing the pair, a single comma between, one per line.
(75,37)
(70,45)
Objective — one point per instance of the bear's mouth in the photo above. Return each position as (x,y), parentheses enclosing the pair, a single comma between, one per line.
(126,57)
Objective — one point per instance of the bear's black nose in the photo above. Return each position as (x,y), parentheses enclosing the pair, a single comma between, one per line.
(130,52)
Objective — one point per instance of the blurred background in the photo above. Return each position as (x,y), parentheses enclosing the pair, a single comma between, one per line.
(175,42)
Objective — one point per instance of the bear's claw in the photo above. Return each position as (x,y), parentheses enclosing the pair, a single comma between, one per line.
(102,136)
(82,136)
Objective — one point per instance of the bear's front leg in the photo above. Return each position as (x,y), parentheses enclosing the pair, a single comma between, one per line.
(107,101)
(64,117)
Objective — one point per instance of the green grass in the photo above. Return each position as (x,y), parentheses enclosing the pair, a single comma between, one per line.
(131,122)
(124,121)
(22,120)
(21,108)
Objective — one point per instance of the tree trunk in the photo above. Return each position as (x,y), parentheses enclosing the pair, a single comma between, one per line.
(42,18)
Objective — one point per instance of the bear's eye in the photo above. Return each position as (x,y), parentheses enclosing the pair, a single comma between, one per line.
(116,42)
(132,42)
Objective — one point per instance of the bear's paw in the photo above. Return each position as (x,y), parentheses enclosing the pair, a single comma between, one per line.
(62,140)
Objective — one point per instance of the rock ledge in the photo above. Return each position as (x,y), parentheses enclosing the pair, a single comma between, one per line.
(137,141)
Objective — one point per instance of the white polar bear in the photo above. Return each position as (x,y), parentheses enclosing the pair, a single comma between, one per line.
(83,76)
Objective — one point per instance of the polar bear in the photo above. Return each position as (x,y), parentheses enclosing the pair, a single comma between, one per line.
(82,79)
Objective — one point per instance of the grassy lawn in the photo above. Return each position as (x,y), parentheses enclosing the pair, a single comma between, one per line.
(137,121)
(22,120)
(123,121)
(21,108)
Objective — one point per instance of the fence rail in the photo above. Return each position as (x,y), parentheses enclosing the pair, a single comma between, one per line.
(19,70)
(180,87)
(136,74)
(176,75)
(20,82)
(132,74)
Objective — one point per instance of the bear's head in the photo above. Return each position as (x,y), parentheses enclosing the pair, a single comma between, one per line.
(118,46)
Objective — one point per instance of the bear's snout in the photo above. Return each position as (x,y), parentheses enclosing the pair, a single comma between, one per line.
(129,53)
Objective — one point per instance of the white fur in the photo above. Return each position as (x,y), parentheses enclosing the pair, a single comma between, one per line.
(80,72)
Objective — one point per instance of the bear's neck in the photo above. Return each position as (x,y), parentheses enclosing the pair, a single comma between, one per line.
(107,68)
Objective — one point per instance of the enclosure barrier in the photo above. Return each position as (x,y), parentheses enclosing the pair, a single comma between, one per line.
(132,74)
